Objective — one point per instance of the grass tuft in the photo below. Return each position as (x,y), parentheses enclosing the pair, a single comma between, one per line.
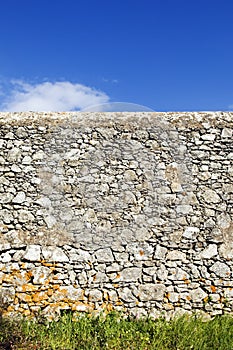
(116,331)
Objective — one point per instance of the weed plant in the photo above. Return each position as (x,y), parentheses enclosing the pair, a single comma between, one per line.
(116,331)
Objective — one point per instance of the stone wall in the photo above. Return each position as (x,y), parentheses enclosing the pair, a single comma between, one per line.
(124,211)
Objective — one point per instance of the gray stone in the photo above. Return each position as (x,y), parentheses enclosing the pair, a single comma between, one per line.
(176,255)
(5,257)
(50,220)
(209,252)
(224,221)
(7,296)
(220,269)
(14,155)
(5,246)
(44,202)
(162,273)
(191,232)
(39,155)
(226,133)
(6,216)
(104,255)
(26,160)
(32,252)
(25,216)
(150,292)
(130,274)
(15,168)
(95,295)
(40,274)
(226,250)
(198,295)
(183,209)
(6,197)
(55,254)
(210,196)
(180,275)
(126,295)
(19,198)
(160,252)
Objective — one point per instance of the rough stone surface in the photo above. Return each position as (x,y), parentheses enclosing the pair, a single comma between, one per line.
(125,211)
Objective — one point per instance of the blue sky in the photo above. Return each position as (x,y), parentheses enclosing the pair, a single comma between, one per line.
(165,54)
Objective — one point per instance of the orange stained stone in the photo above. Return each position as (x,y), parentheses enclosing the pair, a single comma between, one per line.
(186,281)
(25,297)
(8,278)
(50,292)
(10,308)
(28,288)
(26,312)
(106,296)
(213,288)
(56,286)
(40,296)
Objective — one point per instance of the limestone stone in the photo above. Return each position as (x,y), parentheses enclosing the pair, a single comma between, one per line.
(6,197)
(26,160)
(56,254)
(19,198)
(183,209)
(226,133)
(32,252)
(191,232)
(14,155)
(198,295)
(126,294)
(44,202)
(25,216)
(50,220)
(7,295)
(5,246)
(162,273)
(6,216)
(130,274)
(173,297)
(208,137)
(104,255)
(40,274)
(160,252)
(39,155)
(226,250)
(209,252)
(149,292)
(15,168)
(220,269)
(5,257)
(224,220)
(181,275)
(210,196)
(130,175)
(176,255)
(95,295)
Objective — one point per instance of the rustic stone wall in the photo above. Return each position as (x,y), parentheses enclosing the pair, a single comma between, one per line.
(125,211)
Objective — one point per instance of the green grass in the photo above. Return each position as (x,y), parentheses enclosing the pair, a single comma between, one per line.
(118,332)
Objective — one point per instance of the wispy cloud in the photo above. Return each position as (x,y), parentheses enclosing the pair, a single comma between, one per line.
(112,81)
(49,96)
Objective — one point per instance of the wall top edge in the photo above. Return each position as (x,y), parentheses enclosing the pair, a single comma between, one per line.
(105,119)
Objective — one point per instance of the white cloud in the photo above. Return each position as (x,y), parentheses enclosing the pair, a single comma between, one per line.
(47,96)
